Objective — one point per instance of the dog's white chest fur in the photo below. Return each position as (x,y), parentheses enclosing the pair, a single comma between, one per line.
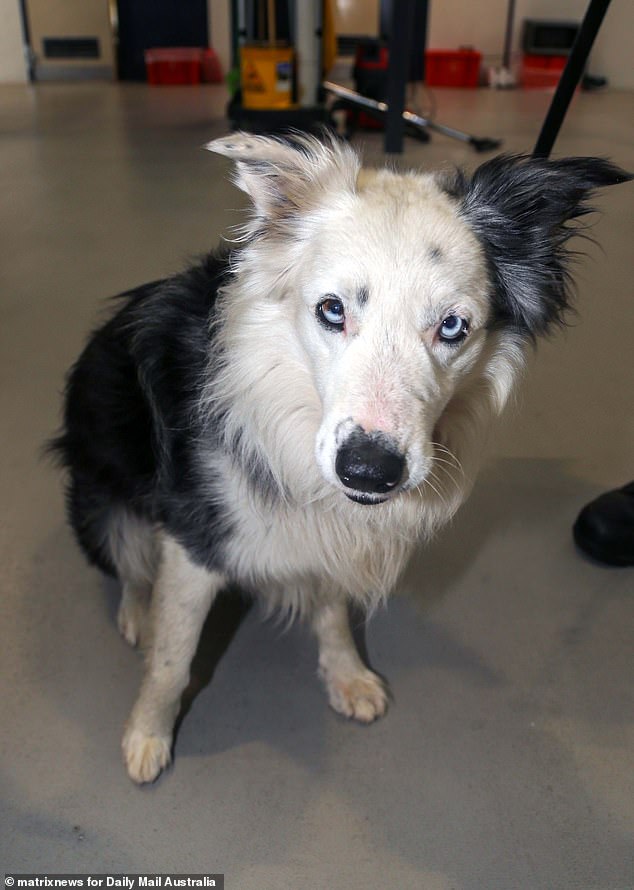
(289,553)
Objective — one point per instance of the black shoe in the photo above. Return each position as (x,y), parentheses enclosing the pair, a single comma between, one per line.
(605,527)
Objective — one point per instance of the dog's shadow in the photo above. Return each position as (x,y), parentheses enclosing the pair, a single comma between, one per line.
(226,616)
(508,494)
(221,625)
(230,608)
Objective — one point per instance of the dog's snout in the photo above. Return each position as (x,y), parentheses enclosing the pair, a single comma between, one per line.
(369,464)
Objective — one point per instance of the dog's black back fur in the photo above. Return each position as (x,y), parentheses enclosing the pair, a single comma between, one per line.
(130,408)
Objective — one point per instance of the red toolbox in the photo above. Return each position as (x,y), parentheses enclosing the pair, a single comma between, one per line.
(169,66)
(541,72)
(452,68)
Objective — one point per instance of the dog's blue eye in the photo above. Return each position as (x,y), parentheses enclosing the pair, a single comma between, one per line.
(453,329)
(330,312)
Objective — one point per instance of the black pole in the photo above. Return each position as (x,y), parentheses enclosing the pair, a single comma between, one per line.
(398,67)
(570,77)
(508,36)
(26,38)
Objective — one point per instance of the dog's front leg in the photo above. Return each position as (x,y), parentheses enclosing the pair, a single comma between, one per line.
(182,596)
(353,689)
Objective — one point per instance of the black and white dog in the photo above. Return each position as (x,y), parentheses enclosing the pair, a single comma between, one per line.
(293,414)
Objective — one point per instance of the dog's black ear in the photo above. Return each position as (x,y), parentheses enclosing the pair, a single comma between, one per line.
(282,175)
(524,210)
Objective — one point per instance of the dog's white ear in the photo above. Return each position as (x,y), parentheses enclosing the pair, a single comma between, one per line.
(249,147)
(282,175)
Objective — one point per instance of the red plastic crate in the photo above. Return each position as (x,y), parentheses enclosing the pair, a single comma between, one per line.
(541,72)
(211,71)
(452,68)
(171,66)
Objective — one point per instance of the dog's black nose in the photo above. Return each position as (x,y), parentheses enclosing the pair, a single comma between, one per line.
(368,463)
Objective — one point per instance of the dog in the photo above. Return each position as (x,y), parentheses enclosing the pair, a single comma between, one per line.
(293,413)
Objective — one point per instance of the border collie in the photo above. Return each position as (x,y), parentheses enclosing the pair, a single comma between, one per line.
(293,413)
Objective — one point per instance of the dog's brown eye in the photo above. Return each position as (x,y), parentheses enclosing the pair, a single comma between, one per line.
(453,330)
(331,313)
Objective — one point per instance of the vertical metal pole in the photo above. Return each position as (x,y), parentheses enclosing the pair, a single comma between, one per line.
(570,77)
(308,54)
(508,35)
(398,67)
(241,21)
(29,56)
(418,42)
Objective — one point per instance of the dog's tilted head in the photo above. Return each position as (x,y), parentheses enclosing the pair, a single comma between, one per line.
(412,295)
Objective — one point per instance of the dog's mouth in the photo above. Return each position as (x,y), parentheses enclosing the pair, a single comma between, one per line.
(367,500)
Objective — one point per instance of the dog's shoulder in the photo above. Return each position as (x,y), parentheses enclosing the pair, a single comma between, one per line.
(176,307)
(167,327)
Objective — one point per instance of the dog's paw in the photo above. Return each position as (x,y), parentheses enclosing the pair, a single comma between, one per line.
(362,696)
(132,619)
(145,756)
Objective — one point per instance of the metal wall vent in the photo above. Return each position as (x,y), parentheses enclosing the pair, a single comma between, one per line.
(71,47)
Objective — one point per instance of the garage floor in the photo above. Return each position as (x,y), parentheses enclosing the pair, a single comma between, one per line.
(506,760)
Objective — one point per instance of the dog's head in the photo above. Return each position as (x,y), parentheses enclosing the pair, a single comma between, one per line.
(413,294)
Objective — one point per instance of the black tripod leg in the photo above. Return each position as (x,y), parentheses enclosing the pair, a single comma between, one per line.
(570,77)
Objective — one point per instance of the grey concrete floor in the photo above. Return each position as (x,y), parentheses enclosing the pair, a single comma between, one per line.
(506,758)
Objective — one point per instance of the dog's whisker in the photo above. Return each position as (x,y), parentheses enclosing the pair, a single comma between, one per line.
(454,464)
(446,465)
(443,449)
(427,481)
(446,469)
